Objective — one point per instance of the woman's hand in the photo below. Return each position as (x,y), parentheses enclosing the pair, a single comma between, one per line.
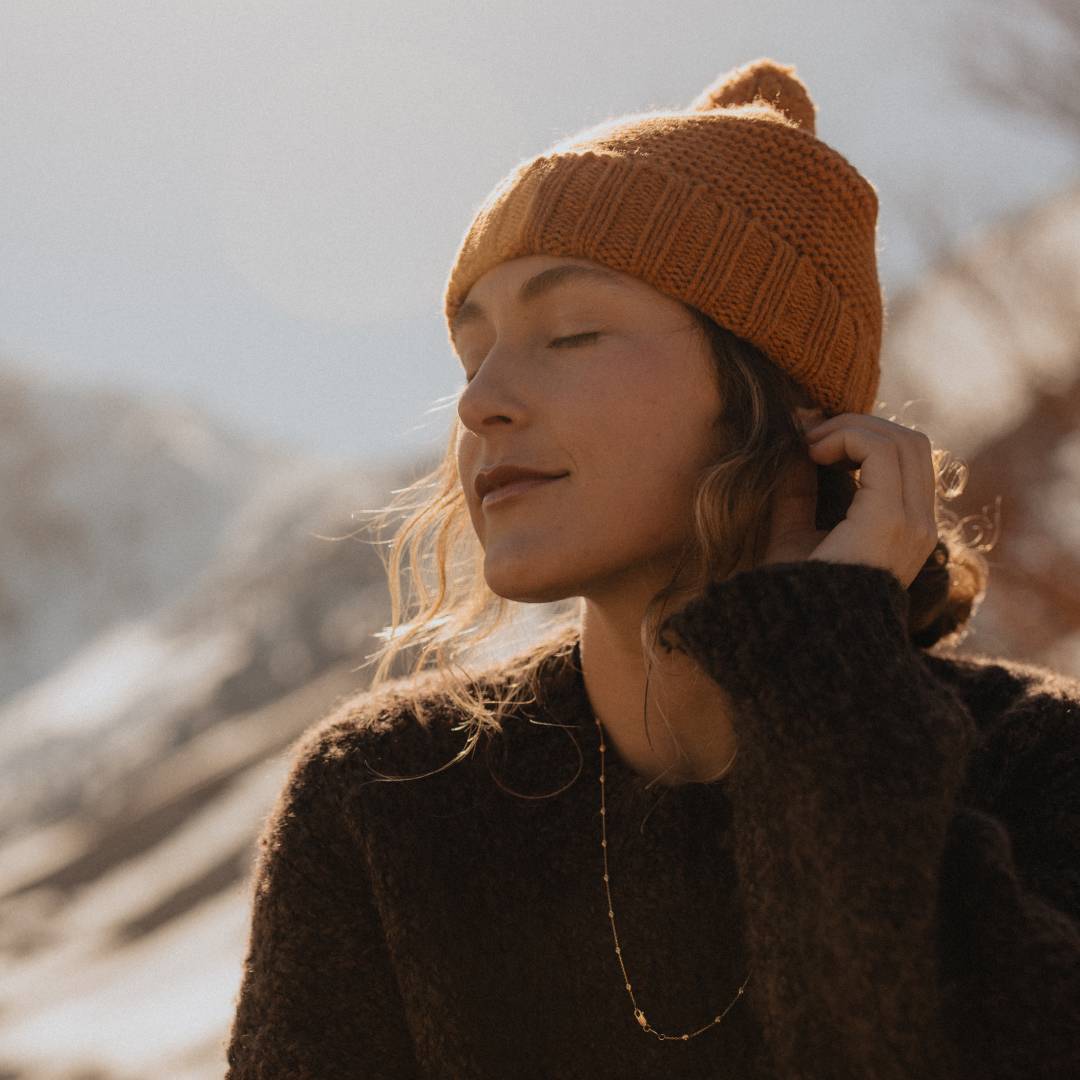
(891,522)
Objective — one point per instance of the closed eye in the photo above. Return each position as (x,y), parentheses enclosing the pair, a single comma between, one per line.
(580,338)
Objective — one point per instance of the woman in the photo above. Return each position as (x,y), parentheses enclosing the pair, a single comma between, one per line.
(740,797)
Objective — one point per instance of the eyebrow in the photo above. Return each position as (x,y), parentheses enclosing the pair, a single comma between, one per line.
(537,285)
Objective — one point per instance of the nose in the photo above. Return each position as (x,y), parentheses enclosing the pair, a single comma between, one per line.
(492,397)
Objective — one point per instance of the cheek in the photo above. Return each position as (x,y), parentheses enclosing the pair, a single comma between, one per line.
(652,460)
(651,502)
(465,457)
(465,451)
(657,446)
(643,484)
(465,443)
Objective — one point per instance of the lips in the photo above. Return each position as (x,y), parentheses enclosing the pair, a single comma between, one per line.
(517,487)
(488,480)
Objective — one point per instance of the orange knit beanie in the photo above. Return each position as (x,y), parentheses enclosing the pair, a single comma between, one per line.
(732,206)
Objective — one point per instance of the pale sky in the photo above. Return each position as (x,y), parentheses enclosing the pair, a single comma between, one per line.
(255,206)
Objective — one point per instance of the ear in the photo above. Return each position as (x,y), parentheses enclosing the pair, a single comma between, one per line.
(805,417)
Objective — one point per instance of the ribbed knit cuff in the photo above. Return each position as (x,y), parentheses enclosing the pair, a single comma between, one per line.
(796,625)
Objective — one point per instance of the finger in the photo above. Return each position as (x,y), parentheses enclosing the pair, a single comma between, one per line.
(876,456)
(918,473)
(920,479)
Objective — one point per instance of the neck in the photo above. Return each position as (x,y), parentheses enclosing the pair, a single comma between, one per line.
(690,737)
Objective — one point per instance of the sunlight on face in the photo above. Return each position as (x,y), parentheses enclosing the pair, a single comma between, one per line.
(605,381)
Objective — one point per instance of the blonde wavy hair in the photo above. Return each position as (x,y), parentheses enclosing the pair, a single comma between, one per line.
(452,612)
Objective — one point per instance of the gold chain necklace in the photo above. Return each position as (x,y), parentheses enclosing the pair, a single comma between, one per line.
(638,1014)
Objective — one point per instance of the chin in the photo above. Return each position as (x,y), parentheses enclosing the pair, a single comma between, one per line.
(529,588)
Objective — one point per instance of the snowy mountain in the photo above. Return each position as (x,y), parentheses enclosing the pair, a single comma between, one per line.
(136,775)
(280,604)
(109,506)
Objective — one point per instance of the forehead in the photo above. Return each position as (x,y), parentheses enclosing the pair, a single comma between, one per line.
(521,269)
(534,278)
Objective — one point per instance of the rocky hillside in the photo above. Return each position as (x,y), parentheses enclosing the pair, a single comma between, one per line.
(110,505)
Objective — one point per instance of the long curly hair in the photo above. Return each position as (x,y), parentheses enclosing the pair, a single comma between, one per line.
(453,613)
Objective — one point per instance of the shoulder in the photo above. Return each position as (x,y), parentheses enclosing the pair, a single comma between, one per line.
(398,723)
(331,794)
(408,728)
(997,689)
(1020,805)
(1028,721)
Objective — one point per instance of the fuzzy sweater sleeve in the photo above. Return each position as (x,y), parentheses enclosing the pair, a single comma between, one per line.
(318,998)
(850,840)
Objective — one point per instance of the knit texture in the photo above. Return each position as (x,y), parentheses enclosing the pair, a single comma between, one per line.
(894,858)
(732,206)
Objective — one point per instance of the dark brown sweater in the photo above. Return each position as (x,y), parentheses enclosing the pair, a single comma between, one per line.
(894,858)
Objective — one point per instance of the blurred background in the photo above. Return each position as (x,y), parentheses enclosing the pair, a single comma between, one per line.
(226,229)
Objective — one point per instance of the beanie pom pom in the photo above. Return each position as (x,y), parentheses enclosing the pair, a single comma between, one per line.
(763,79)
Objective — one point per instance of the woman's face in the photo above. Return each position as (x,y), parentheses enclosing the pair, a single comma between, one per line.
(627,412)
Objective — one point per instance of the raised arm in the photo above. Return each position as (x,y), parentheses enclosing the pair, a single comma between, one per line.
(851,756)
